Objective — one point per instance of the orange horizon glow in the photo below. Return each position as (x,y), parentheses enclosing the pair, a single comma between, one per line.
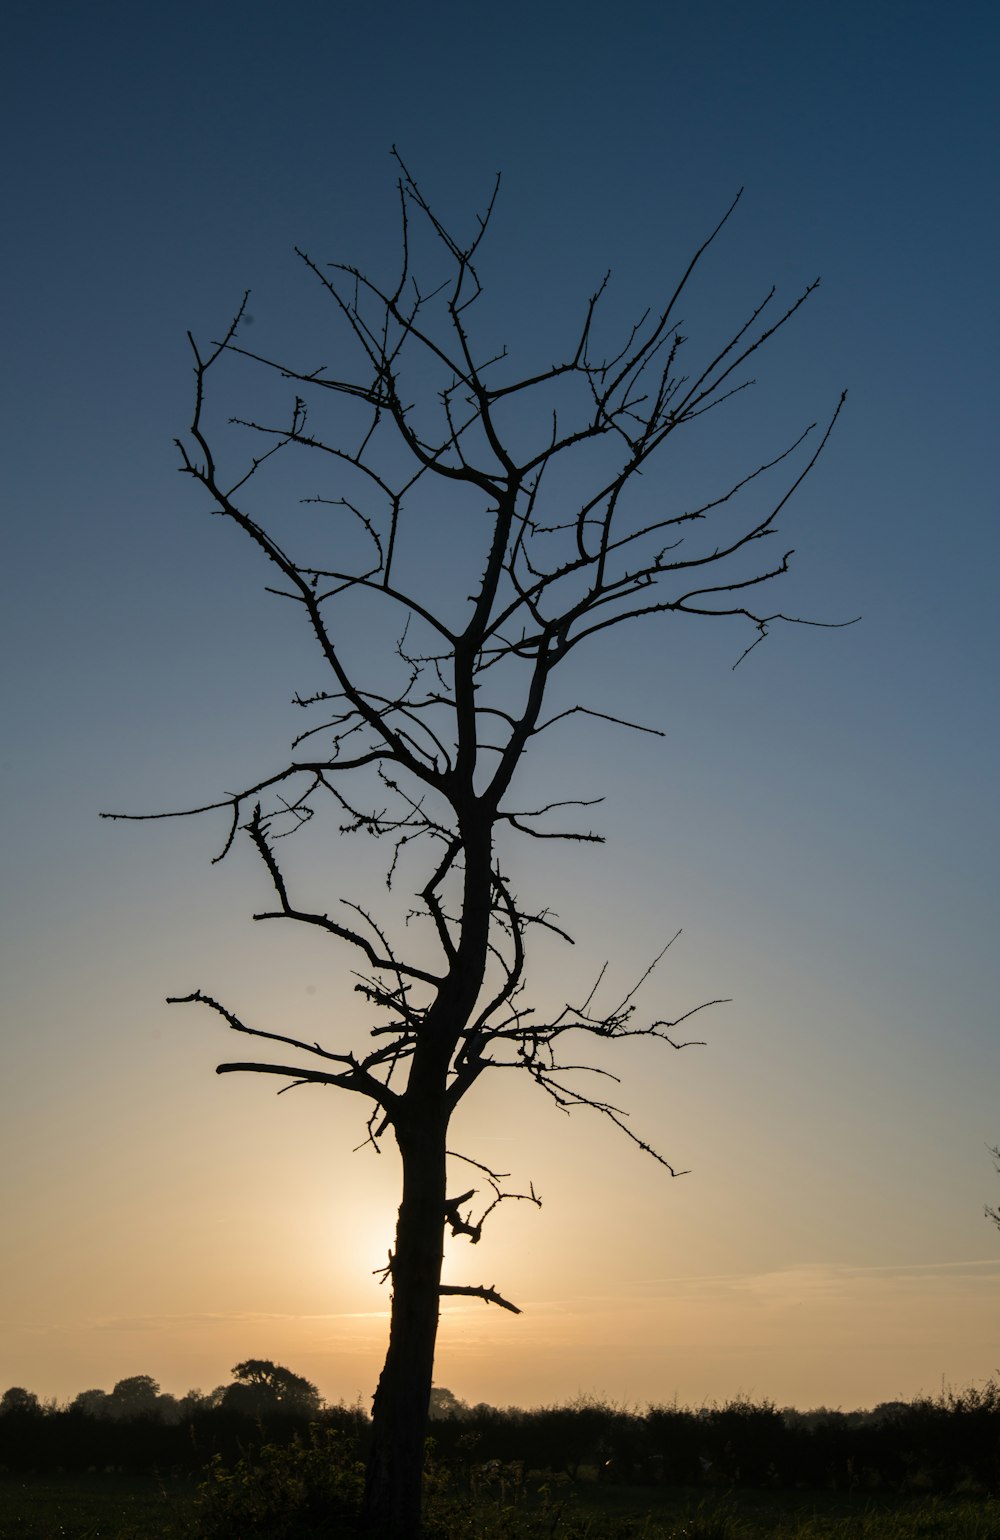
(820,823)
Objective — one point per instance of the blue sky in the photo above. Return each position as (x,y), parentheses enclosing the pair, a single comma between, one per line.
(822,821)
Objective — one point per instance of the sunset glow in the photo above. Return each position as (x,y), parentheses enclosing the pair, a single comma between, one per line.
(819,824)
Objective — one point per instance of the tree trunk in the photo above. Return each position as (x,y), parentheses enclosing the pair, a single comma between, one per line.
(402,1399)
(400,1406)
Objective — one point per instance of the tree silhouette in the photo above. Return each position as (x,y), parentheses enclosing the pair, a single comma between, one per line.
(994,1213)
(137,1396)
(445,1404)
(91,1403)
(488,525)
(263,1388)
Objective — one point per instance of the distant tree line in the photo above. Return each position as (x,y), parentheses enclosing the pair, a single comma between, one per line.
(137,1427)
(942,1444)
(946,1443)
(259,1388)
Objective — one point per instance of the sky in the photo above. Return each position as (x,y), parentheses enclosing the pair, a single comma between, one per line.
(819,823)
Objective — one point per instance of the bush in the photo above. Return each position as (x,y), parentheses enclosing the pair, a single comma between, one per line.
(306,1490)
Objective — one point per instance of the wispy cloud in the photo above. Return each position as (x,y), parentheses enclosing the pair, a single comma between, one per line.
(816,1276)
(168,1324)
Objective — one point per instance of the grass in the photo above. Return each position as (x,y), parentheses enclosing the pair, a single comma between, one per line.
(587,1512)
(101,1506)
(118,1507)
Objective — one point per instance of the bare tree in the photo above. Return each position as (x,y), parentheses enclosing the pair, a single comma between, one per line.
(420,748)
(994,1213)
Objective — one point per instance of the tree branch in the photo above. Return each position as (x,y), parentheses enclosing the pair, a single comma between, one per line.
(480,1291)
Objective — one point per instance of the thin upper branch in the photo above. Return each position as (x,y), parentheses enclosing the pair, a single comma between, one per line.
(567,530)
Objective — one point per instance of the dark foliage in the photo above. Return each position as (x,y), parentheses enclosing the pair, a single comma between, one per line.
(264,1389)
(946,1444)
(308,1487)
(70,1440)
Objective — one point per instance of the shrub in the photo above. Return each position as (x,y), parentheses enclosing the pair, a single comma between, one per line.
(305,1490)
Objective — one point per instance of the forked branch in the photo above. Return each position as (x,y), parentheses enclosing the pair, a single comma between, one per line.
(436,656)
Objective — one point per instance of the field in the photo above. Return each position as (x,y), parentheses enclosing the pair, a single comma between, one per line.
(121,1507)
(94,1507)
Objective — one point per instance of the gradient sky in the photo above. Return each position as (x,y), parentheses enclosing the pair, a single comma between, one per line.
(822,822)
